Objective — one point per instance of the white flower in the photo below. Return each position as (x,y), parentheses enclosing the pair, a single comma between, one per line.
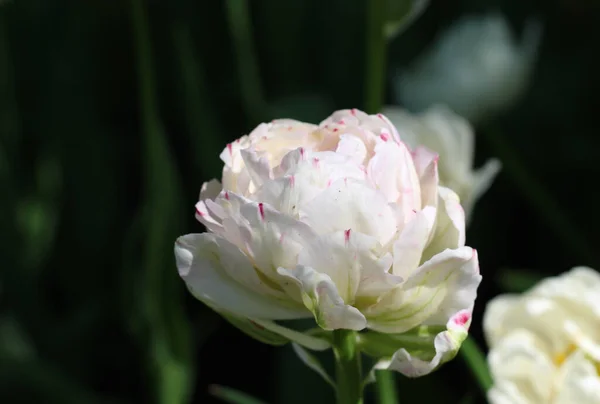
(475,68)
(339,222)
(545,344)
(452,137)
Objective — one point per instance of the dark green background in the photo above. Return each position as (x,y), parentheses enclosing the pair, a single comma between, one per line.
(101,161)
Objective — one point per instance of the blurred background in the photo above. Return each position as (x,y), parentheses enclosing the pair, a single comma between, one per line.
(113,113)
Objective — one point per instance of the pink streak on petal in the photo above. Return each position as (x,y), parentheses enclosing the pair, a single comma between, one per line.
(347,235)
(261,210)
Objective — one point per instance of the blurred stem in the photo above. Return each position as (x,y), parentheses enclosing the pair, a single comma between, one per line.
(386,387)
(375,56)
(166,331)
(240,26)
(199,114)
(537,196)
(477,363)
(347,367)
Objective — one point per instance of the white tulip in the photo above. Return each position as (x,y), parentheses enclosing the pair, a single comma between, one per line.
(475,67)
(341,223)
(452,137)
(545,344)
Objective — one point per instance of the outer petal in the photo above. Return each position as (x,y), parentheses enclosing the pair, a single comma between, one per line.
(426,164)
(446,345)
(216,272)
(450,275)
(321,296)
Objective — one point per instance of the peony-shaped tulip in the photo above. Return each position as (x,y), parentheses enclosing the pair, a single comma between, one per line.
(453,138)
(342,223)
(475,67)
(545,343)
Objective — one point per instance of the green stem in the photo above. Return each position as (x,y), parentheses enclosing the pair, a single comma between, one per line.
(543,202)
(386,387)
(347,367)
(376,55)
(477,363)
(240,27)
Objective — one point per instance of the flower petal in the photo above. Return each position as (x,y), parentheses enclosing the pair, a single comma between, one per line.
(579,381)
(217,273)
(408,248)
(439,280)
(521,359)
(351,204)
(450,224)
(320,295)
(445,346)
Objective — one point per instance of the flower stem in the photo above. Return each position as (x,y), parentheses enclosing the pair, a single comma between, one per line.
(386,387)
(476,361)
(347,367)
(376,55)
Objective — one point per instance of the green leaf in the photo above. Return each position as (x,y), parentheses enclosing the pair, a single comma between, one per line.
(476,361)
(419,341)
(256,331)
(232,396)
(312,362)
(401,14)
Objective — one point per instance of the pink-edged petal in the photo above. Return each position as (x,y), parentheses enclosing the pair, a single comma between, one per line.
(320,295)
(446,344)
(217,273)
(425,291)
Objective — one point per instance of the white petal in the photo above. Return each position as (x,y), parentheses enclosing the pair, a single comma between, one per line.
(445,346)
(426,164)
(495,315)
(217,272)
(579,381)
(393,172)
(321,296)
(522,360)
(450,224)
(408,248)
(352,147)
(451,276)
(257,166)
(350,204)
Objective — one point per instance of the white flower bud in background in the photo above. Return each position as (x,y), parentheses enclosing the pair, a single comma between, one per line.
(342,223)
(452,137)
(545,343)
(475,67)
